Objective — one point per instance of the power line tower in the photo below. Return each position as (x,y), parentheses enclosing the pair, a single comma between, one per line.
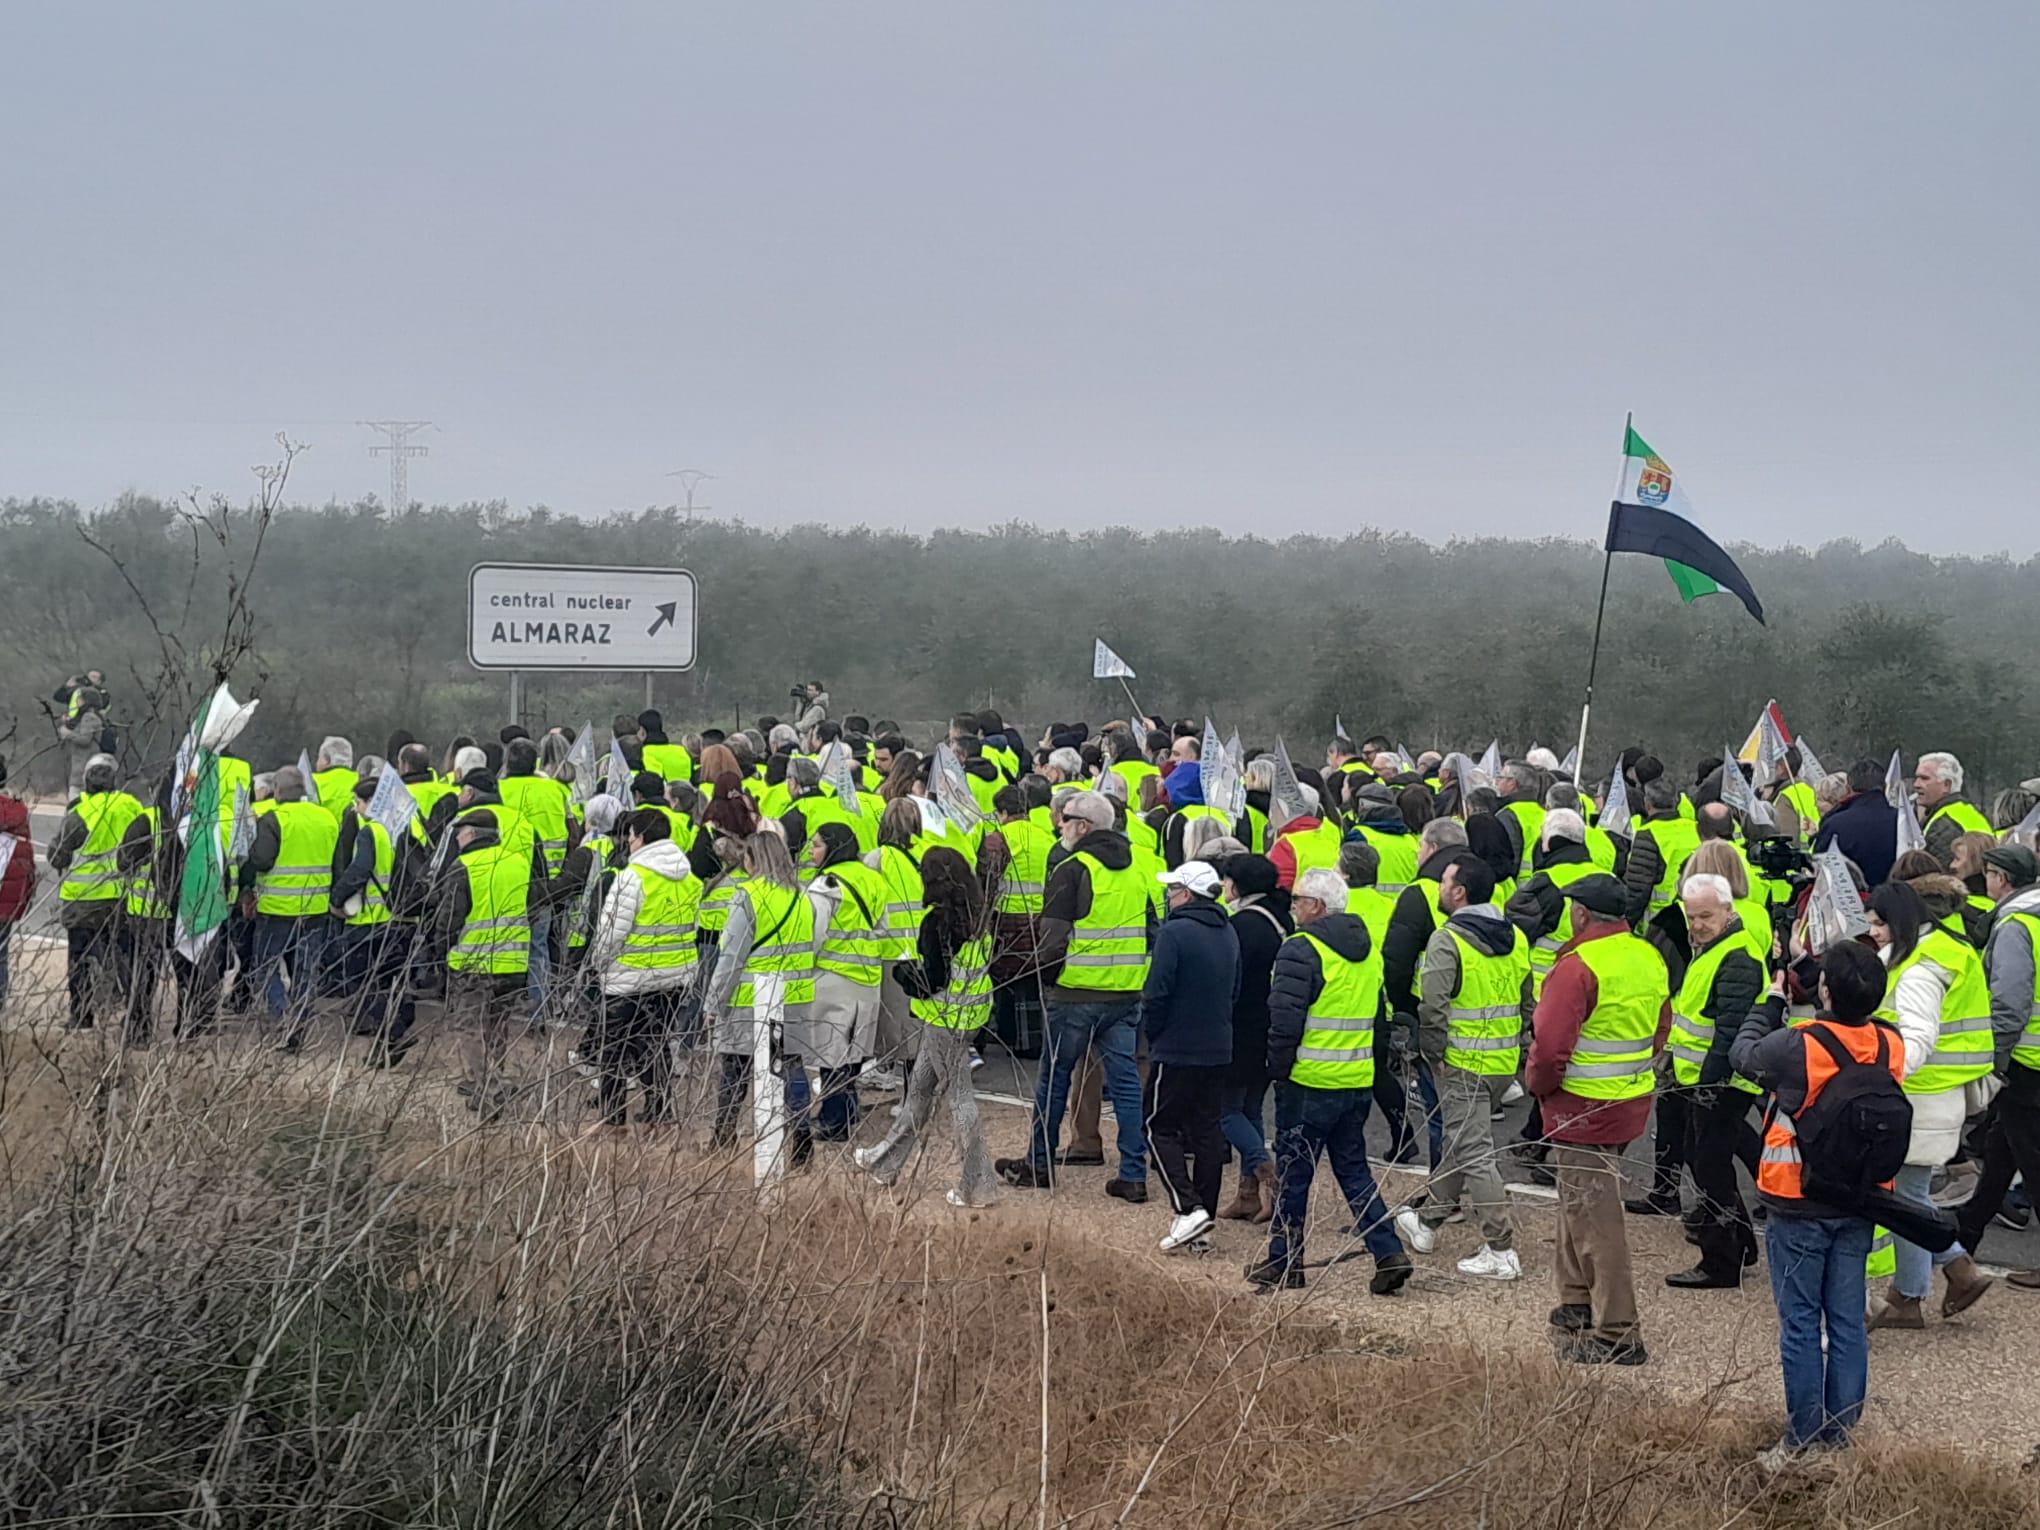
(398,449)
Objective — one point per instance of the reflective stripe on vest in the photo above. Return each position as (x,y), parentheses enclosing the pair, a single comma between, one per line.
(1484,1026)
(903,905)
(541,802)
(1963,1049)
(1337,1048)
(965,1002)
(1108,947)
(375,902)
(663,935)
(1612,1058)
(2027,1052)
(143,901)
(300,884)
(1027,847)
(783,924)
(1779,1170)
(1676,839)
(1546,948)
(1692,1034)
(497,934)
(94,873)
(857,941)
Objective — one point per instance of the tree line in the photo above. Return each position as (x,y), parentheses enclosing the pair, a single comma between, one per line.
(358,626)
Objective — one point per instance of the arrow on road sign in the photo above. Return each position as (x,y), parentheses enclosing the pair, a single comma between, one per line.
(665,610)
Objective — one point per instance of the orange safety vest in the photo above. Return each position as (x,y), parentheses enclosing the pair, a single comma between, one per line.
(1779,1170)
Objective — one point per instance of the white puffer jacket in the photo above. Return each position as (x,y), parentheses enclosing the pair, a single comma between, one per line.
(619,915)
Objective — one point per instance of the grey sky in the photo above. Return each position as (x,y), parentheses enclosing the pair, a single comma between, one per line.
(1262,267)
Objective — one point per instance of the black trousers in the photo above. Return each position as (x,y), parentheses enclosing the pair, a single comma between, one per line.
(2011,1144)
(1675,1109)
(375,964)
(633,1039)
(1717,1125)
(91,970)
(1183,1105)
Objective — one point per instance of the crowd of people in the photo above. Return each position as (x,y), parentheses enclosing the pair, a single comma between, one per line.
(1382,933)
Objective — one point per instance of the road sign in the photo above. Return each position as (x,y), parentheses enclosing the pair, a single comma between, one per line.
(535,616)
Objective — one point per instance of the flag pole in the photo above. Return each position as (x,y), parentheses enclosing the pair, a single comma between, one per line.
(1601,610)
(1138,715)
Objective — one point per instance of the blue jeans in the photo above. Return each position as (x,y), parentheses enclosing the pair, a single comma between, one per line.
(1241,1123)
(1072,1028)
(281,939)
(1332,1122)
(1817,1279)
(1915,1276)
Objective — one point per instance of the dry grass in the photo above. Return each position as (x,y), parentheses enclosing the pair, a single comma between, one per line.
(233,1294)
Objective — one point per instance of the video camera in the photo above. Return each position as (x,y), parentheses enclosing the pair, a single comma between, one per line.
(1781,860)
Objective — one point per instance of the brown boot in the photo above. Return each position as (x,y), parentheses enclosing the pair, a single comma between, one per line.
(1246,1201)
(1965,1284)
(1264,1181)
(1895,1311)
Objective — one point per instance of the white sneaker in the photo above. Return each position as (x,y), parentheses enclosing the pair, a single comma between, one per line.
(1513,1093)
(867,1157)
(886,1080)
(1187,1228)
(1414,1232)
(1492,1264)
(956,1198)
(977,1061)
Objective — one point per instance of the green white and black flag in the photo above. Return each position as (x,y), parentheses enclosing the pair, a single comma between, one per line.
(1651,515)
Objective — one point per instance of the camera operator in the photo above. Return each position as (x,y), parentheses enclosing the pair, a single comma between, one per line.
(814,701)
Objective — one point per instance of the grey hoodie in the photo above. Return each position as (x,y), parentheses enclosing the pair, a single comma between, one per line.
(1486,929)
(2008,958)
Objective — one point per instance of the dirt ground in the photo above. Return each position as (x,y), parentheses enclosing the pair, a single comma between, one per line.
(1972,1382)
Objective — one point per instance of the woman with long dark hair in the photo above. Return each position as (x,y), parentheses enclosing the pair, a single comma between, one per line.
(949,982)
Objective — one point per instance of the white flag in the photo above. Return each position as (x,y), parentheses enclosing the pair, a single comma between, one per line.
(304,765)
(1339,728)
(1811,771)
(1466,775)
(1570,765)
(1236,752)
(1409,761)
(1285,802)
(1897,790)
(1834,910)
(1220,778)
(619,776)
(1909,835)
(1735,791)
(243,839)
(951,786)
(1770,743)
(581,755)
(2027,831)
(1107,665)
(1491,763)
(1615,816)
(392,806)
(840,771)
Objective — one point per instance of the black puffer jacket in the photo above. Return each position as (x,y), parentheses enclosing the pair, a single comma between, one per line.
(1298,980)
(1409,931)
(1738,989)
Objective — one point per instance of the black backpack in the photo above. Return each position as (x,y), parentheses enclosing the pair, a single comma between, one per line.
(1853,1136)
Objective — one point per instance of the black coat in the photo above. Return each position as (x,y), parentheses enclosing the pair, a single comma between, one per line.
(1865,828)
(1192,983)
(1261,928)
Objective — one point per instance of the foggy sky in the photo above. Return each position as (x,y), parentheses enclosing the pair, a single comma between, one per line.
(1269,268)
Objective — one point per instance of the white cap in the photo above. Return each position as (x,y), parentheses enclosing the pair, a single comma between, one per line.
(1198,876)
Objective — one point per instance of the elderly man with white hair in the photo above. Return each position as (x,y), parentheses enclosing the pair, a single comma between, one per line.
(1946,814)
(1705,1111)
(1324,1008)
(333,775)
(1095,933)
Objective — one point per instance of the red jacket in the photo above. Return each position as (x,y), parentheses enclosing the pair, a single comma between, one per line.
(17,884)
(1570,994)
(1283,854)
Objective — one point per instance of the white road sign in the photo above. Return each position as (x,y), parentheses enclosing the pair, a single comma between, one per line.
(575,616)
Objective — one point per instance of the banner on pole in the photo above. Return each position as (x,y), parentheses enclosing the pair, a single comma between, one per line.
(1107,665)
